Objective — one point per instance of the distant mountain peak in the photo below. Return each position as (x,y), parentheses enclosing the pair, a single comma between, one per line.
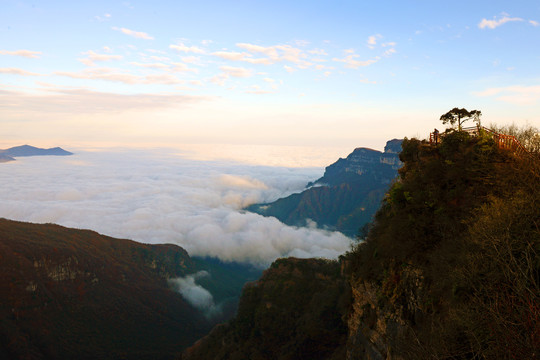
(28,150)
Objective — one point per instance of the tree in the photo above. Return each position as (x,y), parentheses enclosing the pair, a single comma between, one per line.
(459,116)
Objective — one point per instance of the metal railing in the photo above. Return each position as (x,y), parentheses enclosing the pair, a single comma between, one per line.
(503,141)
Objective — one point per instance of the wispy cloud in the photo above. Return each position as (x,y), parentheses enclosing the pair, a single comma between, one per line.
(372,40)
(151,65)
(23,53)
(492,24)
(116,75)
(278,53)
(319,52)
(236,71)
(135,34)
(181,67)
(83,101)
(187,49)
(16,71)
(242,56)
(351,62)
(515,94)
(104,17)
(94,57)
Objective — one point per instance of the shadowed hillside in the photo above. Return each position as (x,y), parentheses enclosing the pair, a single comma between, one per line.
(70,293)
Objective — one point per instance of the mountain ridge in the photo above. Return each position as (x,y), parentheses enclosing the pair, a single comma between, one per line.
(345,197)
(71,293)
(28,150)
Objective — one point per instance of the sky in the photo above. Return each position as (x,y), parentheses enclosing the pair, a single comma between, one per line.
(223,78)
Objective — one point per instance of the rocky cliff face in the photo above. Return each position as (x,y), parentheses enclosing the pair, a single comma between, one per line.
(346,197)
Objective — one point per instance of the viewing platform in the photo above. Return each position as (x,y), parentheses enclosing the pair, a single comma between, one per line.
(507,142)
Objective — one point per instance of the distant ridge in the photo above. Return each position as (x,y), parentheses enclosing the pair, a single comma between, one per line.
(27,150)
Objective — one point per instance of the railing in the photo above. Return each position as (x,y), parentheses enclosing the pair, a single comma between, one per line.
(503,141)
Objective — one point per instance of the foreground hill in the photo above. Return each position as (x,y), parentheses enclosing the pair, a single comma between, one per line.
(69,293)
(450,269)
(346,197)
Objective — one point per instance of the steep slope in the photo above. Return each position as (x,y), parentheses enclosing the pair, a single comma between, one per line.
(451,266)
(295,311)
(346,197)
(450,269)
(70,293)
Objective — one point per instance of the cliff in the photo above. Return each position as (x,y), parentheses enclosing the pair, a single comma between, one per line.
(450,269)
(346,197)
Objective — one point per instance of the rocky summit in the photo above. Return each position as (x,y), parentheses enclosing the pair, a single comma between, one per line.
(346,197)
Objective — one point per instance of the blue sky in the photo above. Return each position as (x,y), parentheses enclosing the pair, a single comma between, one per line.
(273,73)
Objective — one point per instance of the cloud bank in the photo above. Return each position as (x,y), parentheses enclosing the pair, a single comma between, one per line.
(154,197)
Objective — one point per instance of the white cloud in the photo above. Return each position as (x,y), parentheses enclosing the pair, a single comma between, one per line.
(116,75)
(242,56)
(82,101)
(104,17)
(136,34)
(492,24)
(181,67)
(320,52)
(157,197)
(151,65)
(195,294)
(187,49)
(372,40)
(534,23)
(196,82)
(16,71)
(236,71)
(94,57)
(23,53)
(278,53)
(191,59)
(515,94)
(289,68)
(350,61)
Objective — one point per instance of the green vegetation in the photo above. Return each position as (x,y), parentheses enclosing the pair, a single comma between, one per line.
(459,116)
(295,311)
(460,231)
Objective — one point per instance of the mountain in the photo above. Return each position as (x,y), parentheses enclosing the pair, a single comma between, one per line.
(450,269)
(27,150)
(297,310)
(69,293)
(5,158)
(346,197)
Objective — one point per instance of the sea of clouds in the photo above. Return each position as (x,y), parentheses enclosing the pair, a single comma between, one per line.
(164,197)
